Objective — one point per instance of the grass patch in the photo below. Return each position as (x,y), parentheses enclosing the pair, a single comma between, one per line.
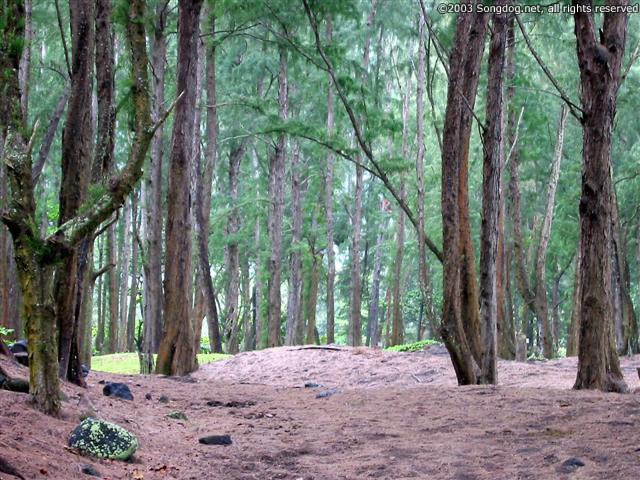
(412,347)
(128,363)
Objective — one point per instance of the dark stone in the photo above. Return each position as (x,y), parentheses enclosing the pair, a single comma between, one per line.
(216,440)
(327,393)
(231,404)
(102,382)
(19,347)
(163,399)
(148,396)
(85,370)
(89,470)
(119,390)
(312,385)
(177,415)
(570,465)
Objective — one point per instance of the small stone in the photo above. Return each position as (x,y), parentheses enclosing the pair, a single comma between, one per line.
(327,393)
(148,396)
(177,415)
(163,399)
(312,385)
(89,470)
(119,390)
(216,440)
(570,465)
(97,438)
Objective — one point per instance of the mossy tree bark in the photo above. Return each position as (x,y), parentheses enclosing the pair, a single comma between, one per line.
(37,256)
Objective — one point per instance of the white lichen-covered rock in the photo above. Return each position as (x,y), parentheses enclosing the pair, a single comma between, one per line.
(97,438)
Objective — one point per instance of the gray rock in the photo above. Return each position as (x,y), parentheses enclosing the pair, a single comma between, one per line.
(570,465)
(216,440)
(97,438)
(119,390)
(327,393)
(89,470)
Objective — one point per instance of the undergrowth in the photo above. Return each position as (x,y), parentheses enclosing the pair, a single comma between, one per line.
(412,347)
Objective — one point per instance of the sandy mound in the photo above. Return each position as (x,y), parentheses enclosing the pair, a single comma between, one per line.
(386,415)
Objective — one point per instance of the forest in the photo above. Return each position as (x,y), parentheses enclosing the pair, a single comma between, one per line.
(225,176)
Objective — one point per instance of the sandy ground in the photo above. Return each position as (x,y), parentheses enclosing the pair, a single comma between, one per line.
(390,416)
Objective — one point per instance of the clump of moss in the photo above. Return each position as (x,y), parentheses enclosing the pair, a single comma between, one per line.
(412,347)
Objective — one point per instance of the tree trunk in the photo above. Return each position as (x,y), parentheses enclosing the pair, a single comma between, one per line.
(374,302)
(247,332)
(259,319)
(131,317)
(354,335)
(204,185)
(295,272)
(77,150)
(599,62)
(460,313)
(276,211)
(573,338)
(124,256)
(113,290)
(154,215)
(542,311)
(233,266)
(177,355)
(491,200)
(328,203)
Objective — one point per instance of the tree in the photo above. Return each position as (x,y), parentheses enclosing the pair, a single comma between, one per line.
(176,355)
(36,255)
(599,61)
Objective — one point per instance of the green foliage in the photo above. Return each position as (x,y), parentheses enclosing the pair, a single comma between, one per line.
(412,347)
(5,332)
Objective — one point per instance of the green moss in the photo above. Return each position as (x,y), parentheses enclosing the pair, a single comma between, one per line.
(127,363)
(412,347)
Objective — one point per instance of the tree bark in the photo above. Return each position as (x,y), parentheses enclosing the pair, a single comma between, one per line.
(133,299)
(600,63)
(276,212)
(113,291)
(176,355)
(459,322)
(204,185)
(328,202)
(154,212)
(124,256)
(261,327)
(542,311)
(295,267)
(374,302)
(573,338)
(491,200)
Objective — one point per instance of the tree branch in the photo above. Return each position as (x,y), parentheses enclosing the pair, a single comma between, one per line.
(573,108)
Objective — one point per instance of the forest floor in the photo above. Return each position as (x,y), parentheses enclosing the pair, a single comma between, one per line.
(391,416)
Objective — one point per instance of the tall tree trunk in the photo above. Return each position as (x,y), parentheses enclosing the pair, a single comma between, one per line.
(328,205)
(374,302)
(133,299)
(77,151)
(177,355)
(204,186)
(276,194)
(247,331)
(99,344)
(233,266)
(124,256)
(573,330)
(542,311)
(491,199)
(599,62)
(261,327)
(295,271)
(355,336)
(460,313)
(153,309)
(113,291)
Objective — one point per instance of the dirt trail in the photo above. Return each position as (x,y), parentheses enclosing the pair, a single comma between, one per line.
(386,415)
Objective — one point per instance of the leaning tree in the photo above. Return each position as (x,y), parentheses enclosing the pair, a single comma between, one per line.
(37,256)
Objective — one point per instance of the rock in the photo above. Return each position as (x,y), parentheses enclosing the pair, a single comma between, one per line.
(231,404)
(148,396)
(312,385)
(570,465)
(163,399)
(97,438)
(216,440)
(20,351)
(119,390)
(177,415)
(85,370)
(89,470)
(327,393)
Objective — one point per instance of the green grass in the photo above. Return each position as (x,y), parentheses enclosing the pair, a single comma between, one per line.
(411,347)
(127,363)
